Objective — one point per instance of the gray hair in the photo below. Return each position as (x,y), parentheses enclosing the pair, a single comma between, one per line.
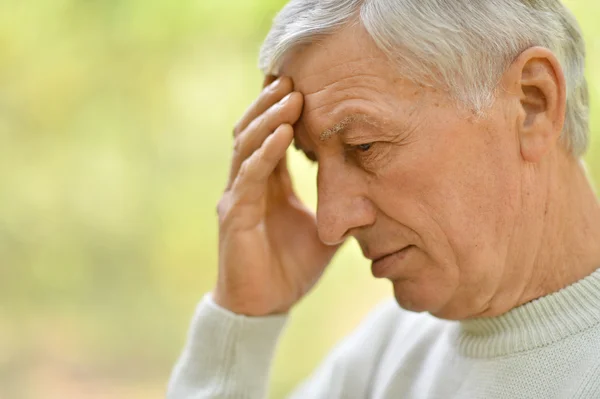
(461,45)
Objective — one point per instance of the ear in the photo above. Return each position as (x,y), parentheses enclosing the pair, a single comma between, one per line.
(538,83)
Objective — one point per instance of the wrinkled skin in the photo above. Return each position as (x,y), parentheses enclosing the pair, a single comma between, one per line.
(488,212)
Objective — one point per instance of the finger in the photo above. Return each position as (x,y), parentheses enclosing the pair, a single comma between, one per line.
(281,184)
(252,180)
(287,111)
(284,178)
(270,95)
(268,80)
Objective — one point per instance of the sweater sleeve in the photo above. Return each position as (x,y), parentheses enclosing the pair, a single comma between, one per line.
(226,355)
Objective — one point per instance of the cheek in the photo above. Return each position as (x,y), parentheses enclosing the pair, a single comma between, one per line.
(457,192)
(409,192)
(472,190)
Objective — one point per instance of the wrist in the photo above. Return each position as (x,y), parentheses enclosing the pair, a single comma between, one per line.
(246,307)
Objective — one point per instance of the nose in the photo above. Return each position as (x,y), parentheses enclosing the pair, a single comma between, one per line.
(342,206)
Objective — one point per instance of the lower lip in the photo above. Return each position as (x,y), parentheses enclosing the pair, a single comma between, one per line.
(385,267)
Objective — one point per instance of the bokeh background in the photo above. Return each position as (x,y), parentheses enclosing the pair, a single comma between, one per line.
(115,138)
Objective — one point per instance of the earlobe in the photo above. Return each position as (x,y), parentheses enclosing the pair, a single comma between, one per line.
(542,102)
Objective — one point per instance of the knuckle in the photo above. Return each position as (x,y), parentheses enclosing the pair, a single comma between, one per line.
(222,205)
(244,169)
(262,120)
(228,209)
(246,175)
(237,129)
(237,146)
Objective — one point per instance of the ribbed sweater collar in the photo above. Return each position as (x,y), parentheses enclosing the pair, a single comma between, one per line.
(539,323)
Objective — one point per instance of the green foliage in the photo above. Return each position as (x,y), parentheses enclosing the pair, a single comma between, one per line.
(115,133)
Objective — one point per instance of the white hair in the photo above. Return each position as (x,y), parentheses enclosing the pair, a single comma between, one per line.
(461,45)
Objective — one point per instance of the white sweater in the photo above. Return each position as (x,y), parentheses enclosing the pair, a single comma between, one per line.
(548,348)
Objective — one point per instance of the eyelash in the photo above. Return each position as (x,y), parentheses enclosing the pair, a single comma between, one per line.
(364,147)
(362,152)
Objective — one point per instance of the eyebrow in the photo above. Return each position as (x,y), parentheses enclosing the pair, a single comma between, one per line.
(341,126)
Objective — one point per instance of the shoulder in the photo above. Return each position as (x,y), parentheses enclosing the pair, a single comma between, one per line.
(383,315)
(383,320)
(347,369)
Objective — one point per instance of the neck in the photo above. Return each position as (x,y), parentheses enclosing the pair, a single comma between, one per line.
(569,249)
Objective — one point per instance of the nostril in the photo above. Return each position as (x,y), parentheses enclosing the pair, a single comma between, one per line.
(339,216)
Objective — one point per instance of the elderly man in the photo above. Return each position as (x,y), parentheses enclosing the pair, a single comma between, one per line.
(448,136)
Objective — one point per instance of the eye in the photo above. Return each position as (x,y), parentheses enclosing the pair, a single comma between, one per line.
(364,147)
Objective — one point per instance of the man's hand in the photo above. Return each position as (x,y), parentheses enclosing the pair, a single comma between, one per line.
(270,254)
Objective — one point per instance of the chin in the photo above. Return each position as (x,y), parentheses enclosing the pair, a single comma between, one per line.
(419,297)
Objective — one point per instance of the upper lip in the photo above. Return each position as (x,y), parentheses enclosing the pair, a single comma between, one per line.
(376,256)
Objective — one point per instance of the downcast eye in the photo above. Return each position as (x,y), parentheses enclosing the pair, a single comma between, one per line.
(364,147)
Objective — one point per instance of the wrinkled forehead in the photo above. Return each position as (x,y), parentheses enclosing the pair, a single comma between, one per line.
(345,75)
(348,53)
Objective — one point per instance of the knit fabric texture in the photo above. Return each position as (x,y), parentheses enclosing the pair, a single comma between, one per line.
(548,348)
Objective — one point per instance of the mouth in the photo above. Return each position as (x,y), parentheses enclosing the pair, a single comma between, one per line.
(383,265)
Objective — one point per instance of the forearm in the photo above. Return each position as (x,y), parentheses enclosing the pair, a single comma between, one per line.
(226,355)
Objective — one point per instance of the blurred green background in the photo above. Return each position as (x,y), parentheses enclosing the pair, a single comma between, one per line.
(115,134)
